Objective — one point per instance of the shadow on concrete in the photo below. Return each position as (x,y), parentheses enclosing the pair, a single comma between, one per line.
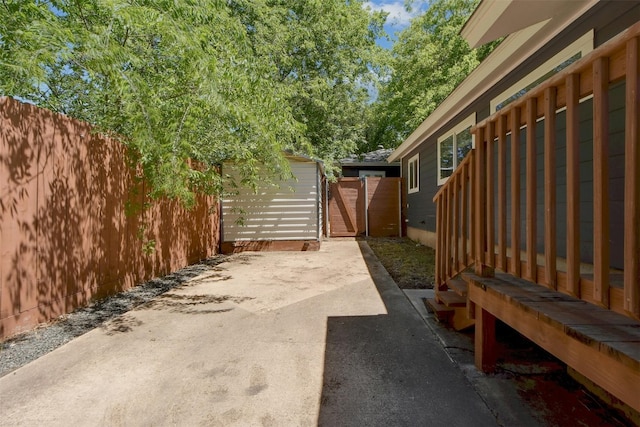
(390,370)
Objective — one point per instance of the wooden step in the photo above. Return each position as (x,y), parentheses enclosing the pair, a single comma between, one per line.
(459,286)
(441,311)
(451,299)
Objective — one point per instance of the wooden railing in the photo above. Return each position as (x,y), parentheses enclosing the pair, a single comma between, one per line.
(455,222)
(503,134)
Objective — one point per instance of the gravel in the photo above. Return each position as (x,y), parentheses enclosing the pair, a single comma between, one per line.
(28,346)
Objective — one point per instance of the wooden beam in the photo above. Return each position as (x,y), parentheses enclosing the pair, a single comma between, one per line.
(601,241)
(485,341)
(490,195)
(550,233)
(502,193)
(531,184)
(515,192)
(632,181)
(573,185)
(605,370)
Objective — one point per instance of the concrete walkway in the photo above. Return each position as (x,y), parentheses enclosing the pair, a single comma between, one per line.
(271,339)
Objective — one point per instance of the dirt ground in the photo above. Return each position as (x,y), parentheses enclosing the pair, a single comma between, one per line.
(541,379)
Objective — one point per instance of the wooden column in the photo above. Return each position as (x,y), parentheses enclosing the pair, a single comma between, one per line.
(502,193)
(550,245)
(632,181)
(531,206)
(601,239)
(515,191)
(472,206)
(573,185)
(485,341)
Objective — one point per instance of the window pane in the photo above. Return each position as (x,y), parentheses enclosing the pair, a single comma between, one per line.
(463,142)
(446,157)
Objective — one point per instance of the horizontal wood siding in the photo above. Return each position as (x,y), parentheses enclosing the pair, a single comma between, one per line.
(289,211)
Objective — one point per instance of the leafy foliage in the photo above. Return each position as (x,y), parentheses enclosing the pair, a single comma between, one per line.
(430,59)
(189,85)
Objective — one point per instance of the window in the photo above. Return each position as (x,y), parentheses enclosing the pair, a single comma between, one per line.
(413,176)
(453,146)
(563,59)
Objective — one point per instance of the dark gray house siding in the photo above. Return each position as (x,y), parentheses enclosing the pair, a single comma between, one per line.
(606,19)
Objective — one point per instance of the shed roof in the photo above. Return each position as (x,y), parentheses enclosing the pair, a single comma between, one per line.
(372,158)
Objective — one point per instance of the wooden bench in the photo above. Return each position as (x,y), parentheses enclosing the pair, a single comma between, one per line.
(602,345)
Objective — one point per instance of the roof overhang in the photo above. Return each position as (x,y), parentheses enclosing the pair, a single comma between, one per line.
(509,54)
(494,19)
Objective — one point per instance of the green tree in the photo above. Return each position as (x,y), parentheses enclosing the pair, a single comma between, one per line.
(430,59)
(197,83)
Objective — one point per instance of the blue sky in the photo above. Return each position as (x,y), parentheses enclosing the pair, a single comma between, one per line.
(398,18)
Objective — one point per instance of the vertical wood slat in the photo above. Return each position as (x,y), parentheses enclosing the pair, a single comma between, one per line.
(550,186)
(464,194)
(573,185)
(515,192)
(472,206)
(632,181)
(502,192)
(601,251)
(447,236)
(531,205)
(456,223)
(480,201)
(438,241)
(490,195)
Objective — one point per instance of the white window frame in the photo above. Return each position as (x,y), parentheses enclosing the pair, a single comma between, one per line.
(413,180)
(583,45)
(466,123)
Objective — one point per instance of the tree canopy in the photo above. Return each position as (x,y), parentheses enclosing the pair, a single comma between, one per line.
(199,83)
(430,59)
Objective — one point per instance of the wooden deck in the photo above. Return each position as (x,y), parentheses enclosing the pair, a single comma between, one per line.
(600,344)
(489,222)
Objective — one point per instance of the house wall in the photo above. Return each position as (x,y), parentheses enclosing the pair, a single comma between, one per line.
(68,233)
(607,19)
(278,212)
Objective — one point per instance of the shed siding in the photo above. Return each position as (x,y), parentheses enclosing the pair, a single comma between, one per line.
(288,211)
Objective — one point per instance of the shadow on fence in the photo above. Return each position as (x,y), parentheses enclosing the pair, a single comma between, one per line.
(65,237)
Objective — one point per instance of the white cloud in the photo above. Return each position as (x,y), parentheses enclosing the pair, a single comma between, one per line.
(398,15)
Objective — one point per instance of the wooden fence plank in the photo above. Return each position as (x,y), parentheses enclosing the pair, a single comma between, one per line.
(601,241)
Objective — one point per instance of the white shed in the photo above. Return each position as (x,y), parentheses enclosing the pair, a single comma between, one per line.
(282,216)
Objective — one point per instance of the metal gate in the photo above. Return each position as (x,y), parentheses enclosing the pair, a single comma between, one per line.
(371,206)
